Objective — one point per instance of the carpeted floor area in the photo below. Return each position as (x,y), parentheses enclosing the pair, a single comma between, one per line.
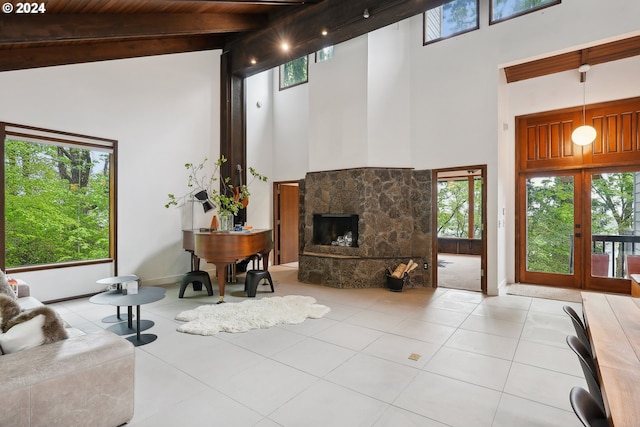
(459,272)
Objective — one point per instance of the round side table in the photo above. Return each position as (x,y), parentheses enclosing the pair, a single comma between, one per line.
(145,295)
(117,281)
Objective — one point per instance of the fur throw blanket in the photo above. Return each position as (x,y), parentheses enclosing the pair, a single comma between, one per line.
(53,328)
(9,309)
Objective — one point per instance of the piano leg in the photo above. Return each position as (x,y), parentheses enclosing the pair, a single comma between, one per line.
(221,272)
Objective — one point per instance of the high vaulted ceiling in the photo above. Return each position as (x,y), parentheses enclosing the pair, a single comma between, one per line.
(253,31)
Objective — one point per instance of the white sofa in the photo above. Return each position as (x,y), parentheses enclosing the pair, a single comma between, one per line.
(84,380)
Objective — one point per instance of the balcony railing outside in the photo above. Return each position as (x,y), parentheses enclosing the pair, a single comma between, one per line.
(621,250)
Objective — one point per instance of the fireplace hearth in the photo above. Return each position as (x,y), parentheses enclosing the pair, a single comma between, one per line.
(387,211)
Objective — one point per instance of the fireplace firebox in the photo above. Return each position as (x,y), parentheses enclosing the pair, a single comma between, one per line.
(335,229)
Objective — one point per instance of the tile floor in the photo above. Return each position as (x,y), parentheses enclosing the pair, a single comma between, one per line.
(484,361)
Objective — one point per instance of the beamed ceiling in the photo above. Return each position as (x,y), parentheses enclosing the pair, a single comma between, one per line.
(77,31)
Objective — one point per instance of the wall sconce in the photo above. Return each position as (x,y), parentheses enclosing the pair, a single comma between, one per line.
(585,134)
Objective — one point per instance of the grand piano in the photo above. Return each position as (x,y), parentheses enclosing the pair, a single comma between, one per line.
(225,247)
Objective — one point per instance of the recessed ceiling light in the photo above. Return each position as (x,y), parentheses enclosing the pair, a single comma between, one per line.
(325,32)
(285,46)
(253,61)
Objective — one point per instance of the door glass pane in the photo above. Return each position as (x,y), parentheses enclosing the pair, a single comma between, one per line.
(550,219)
(615,226)
(477,208)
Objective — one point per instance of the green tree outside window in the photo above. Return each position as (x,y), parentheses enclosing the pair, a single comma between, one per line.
(57,203)
(294,72)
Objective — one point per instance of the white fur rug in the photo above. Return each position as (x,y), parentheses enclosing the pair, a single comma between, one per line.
(250,314)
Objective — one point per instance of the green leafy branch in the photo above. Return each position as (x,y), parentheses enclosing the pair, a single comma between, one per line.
(220,191)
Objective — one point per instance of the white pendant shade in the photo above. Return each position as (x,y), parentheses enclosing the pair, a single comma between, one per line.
(583,135)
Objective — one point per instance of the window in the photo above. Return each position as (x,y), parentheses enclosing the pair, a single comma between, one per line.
(58,198)
(324,54)
(450,19)
(294,73)
(502,10)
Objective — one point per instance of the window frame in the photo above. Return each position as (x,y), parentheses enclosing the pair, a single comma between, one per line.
(468,30)
(57,138)
(281,67)
(493,21)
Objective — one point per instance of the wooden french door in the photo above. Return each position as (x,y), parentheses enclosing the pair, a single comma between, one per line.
(577,217)
(579,228)
(551,229)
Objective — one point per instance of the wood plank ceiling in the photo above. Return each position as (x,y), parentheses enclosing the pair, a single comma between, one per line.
(77,31)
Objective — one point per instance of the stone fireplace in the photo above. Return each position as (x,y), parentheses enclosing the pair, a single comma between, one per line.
(387,213)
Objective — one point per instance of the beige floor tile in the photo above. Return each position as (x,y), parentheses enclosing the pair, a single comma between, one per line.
(482,343)
(542,385)
(373,377)
(470,367)
(449,401)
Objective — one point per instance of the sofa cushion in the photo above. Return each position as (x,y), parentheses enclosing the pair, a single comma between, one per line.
(29,303)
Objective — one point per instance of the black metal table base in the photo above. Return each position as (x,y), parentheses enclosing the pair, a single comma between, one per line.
(141,325)
(115,318)
(141,339)
(123,328)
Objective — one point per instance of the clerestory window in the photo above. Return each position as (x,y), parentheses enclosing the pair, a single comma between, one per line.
(501,10)
(451,19)
(294,73)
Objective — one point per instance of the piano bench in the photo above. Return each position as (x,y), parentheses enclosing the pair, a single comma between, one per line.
(252,279)
(198,278)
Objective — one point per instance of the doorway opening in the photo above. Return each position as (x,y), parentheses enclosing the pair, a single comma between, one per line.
(460,224)
(286,205)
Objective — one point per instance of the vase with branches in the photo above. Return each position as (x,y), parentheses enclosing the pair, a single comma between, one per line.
(216,190)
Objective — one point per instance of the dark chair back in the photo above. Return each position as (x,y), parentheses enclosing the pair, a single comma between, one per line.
(587,408)
(588,368)
(581,330)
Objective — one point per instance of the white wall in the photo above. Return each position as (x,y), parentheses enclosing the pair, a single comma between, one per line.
(389,96)
(260,149)
(164,112)
(337,137)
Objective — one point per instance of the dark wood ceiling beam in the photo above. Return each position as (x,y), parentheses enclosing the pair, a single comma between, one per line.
(48,28)
(76,53)
(267,2)
(302,29)
(593,55)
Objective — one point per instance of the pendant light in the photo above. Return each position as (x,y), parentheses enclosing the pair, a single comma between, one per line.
(585,134)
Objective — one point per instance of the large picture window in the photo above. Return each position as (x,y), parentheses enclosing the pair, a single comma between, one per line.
(294,72)
(450,19)
(502,10)
(58,198)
